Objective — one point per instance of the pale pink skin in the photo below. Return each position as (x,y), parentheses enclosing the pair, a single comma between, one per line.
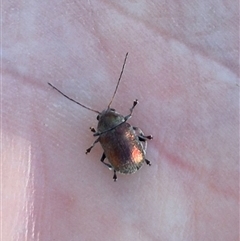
(183,69)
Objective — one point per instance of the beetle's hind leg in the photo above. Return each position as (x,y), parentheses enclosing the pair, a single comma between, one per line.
(109,166)
(148,162)
(114,176)
(102,160)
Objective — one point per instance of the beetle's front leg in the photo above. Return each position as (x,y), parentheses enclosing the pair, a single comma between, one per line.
(135,102)
(92,129)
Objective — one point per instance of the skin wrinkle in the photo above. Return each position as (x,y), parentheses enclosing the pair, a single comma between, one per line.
(184,75)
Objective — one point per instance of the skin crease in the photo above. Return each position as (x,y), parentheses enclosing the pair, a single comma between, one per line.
(183,69)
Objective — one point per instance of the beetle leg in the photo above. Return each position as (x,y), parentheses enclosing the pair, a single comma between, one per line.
(102,160)
(144,138)
(90,148)
(109,166)
(141,136)
(148,162)
(92,129)
(114,176)
(135,102)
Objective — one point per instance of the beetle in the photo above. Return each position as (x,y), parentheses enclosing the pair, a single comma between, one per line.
(123,145)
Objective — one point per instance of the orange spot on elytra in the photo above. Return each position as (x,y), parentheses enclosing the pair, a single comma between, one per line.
(136,155)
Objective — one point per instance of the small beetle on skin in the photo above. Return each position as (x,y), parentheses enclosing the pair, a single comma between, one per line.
(123,145)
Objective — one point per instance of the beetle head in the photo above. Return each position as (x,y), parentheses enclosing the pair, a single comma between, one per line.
(109,119)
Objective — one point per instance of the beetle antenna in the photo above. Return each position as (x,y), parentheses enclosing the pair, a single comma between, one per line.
(73,99)
(118,80)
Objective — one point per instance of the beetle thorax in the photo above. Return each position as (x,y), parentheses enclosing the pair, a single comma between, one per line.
(108,119)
